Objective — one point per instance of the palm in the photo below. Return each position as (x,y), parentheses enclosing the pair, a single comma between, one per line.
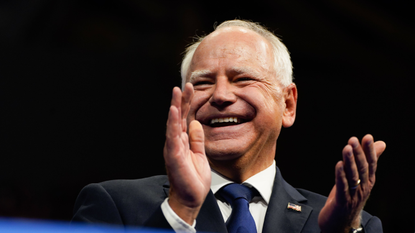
(345,202)
(184,153)
(188,170)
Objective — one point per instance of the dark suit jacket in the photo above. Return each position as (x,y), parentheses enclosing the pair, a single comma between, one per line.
(137,203)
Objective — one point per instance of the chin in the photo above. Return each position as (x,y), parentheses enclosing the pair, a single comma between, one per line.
(224,154)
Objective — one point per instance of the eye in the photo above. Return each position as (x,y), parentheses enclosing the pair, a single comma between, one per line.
(202,83)
(244,79)
(199,83)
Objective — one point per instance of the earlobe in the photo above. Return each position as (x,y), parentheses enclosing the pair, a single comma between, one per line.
(290,97)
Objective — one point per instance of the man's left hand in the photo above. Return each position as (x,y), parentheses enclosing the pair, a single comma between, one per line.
(355,178)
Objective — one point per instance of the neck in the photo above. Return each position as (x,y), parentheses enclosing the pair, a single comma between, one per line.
(242,168)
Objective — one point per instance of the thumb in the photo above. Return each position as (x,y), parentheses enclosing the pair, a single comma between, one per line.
(196,137)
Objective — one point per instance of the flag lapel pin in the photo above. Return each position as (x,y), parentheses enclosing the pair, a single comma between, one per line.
(295,207)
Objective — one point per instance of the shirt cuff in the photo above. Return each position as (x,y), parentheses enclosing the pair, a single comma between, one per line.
(174,220)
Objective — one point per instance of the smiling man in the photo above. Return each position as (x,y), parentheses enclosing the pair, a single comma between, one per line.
(222,129)
(236,79)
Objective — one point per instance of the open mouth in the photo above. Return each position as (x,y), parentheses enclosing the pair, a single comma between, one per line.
(225,121)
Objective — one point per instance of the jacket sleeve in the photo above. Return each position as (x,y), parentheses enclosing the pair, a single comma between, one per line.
(373,225)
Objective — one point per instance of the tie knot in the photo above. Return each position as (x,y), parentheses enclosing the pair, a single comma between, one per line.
(234,191)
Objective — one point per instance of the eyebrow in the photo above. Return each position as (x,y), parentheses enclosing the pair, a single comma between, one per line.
(239,70)
(246,70)
(197,73)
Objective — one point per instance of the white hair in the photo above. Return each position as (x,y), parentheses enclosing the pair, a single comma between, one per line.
(282,61)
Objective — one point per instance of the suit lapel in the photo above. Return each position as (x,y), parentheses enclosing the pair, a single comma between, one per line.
(280,218)
(210,218)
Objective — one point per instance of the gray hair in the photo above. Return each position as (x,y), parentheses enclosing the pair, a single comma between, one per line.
(282,61)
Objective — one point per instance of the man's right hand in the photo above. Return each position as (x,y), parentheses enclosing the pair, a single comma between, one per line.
(184,154)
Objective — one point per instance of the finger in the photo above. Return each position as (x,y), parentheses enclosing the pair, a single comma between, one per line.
(341,183)
(380,147)
(196,138)
(176,99)
(360,158)
(350,167)
(187,96)
(371,157)
(173,131)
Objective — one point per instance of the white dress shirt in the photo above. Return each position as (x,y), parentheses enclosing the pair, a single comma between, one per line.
(262,182)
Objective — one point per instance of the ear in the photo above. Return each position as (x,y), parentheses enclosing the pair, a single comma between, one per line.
(290,97)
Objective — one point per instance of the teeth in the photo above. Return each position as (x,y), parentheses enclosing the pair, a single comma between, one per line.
(225,119)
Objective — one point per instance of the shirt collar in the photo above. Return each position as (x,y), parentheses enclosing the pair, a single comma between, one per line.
(262,182)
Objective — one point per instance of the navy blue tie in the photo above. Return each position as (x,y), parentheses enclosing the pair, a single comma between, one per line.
(239,196)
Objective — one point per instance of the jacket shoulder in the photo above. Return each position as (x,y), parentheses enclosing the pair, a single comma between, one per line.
(145,193)
(143,184)
(125,202)
(315,200)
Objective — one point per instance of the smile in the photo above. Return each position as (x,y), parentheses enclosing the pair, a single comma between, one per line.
(224,120)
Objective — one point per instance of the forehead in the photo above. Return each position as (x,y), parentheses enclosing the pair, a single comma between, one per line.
(233,45)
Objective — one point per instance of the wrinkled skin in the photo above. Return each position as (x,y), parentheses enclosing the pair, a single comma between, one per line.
(231,76)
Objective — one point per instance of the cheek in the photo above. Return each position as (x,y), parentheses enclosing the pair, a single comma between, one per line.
(264,97)
(268,109)
(197,104)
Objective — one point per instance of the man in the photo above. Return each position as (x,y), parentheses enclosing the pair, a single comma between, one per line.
(223,128)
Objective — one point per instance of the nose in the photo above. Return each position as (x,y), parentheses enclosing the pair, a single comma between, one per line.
(223,93)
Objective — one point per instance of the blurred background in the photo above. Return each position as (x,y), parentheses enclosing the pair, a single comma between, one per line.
(85,88)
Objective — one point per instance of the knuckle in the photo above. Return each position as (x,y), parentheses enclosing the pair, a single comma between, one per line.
(363,170)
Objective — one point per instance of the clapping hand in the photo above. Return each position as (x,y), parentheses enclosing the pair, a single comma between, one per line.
(355,178)
(184,154)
